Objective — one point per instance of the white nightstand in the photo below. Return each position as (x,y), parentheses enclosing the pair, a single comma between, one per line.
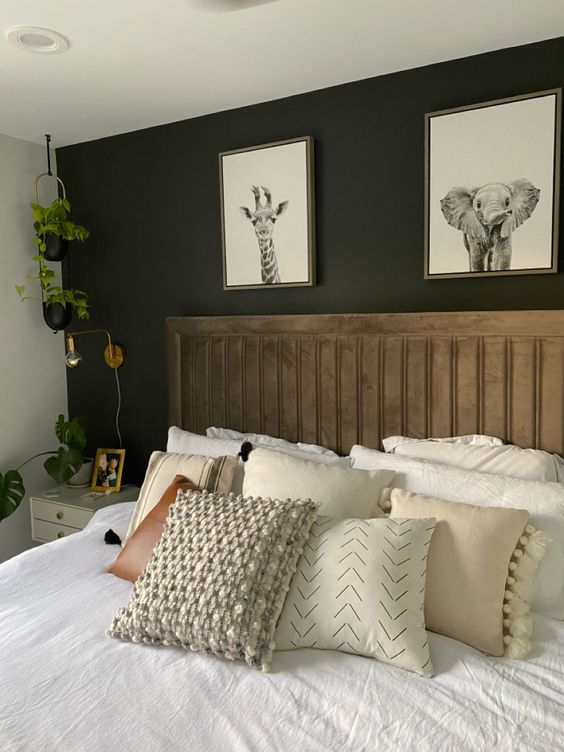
(57,516)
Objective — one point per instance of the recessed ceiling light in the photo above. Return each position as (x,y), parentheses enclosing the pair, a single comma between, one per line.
(36,39)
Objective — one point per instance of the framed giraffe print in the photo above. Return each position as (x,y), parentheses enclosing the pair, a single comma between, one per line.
(268,215)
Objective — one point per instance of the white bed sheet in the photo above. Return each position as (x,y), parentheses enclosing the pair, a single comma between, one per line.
(64,685)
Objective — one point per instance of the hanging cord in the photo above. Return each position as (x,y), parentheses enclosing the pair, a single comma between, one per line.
(118,407)
(48,141)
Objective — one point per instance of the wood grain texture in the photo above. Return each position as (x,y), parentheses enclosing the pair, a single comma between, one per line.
(338,380)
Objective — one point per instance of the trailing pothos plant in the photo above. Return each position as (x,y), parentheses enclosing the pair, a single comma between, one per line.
(63,463)
(54,220)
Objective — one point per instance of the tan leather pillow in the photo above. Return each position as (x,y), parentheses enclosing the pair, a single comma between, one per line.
(468,567)
(139,548)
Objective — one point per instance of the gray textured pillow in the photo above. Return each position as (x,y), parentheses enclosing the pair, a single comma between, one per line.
(219,575)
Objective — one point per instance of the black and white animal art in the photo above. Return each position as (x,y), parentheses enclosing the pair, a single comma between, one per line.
(487,216)
(263,219)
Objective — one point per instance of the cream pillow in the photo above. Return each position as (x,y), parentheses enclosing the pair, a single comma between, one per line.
(340,492)
(358,588)
(207,473)
(479,572)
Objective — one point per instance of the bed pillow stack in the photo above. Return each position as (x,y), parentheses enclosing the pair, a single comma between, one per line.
(487,548)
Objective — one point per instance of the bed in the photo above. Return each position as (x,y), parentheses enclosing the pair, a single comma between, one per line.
(336,380)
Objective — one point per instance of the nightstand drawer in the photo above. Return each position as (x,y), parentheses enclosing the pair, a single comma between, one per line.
(49,531)
(60,514)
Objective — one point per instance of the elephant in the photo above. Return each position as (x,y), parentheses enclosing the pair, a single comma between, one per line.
(487,216)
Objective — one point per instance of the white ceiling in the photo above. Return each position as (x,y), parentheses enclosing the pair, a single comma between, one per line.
(138,63)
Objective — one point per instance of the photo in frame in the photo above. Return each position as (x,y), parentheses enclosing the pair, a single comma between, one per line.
(108,469)
(492,180)
(268,215)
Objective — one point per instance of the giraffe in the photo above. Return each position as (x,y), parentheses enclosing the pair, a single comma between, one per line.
(263,219)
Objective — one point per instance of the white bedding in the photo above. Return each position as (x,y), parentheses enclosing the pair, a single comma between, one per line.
(64,685)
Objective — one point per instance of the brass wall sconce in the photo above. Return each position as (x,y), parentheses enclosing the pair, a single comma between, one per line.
(114,354)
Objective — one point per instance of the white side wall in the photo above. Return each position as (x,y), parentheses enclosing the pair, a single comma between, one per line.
(32,369)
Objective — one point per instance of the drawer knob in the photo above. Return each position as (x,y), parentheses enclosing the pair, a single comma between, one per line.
(60,535)
(59,515)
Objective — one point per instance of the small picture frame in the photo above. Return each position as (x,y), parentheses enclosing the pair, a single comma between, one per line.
(108,469)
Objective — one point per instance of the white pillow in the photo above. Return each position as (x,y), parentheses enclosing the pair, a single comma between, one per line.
(340,492)
(272,442)
(543,501)
(471,439)
(357,591)
(511,460)
(185,442)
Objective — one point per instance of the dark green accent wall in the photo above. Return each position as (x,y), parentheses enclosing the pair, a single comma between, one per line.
(151,201)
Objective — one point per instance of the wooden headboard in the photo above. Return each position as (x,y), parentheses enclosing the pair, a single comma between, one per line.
(338,380)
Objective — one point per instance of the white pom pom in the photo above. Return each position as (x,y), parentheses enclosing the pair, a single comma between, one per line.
(512,566)
(511,580)
(508,595)
(507,639)
(529,529)
(517,553)
(506,609)
(523,540)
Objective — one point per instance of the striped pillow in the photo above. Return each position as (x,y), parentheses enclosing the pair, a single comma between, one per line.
(214,474)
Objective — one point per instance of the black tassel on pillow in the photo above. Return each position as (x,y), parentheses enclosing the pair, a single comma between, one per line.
(112,538)
(246,449)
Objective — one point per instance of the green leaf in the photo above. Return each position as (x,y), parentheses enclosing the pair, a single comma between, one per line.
(72,433)
(64,464)
(12,492)
(20,289)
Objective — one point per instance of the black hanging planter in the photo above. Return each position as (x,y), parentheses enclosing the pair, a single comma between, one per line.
(57,248)
(57,316)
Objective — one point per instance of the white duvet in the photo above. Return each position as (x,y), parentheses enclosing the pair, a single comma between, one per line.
(64,685)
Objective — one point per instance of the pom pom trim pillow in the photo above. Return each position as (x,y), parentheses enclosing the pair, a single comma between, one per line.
(543,501)
(218,577)
(340,491)
(359,588)
(206,473)
(480,570)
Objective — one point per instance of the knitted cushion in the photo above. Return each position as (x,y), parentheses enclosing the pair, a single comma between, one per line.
(219,575)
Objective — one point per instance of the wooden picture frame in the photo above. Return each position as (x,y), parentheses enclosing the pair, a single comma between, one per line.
(106,477)
(478,157)
(258,185)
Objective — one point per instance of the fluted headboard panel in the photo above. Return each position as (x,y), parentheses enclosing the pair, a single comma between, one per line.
(338,380)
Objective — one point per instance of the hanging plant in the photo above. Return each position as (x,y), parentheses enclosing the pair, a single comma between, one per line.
(54,230)
(53,222)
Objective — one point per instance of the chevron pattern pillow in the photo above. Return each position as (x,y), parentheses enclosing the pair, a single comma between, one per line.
(359,587)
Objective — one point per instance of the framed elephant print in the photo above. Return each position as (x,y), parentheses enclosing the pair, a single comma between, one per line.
(267,215)
(492,180)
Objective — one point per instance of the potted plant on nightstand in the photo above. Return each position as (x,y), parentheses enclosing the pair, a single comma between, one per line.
(66,464)
(54,230)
